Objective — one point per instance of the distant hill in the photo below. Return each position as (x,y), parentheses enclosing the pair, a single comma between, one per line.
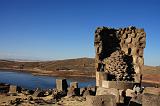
(79,64)
(151,70)
(70,68)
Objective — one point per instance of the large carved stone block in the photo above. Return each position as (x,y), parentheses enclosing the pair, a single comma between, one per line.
(74,84)
(101,100)
(99,77)
(61,84)
(13,89)
(117,84)
(109,91)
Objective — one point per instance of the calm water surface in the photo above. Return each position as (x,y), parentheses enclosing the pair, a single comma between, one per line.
(29,81)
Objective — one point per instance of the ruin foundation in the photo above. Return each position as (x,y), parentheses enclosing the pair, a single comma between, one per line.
(119,56)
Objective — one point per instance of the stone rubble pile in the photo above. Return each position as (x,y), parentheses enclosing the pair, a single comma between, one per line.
(117,68)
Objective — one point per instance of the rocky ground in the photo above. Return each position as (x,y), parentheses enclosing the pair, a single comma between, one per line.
(11,96)
(67,68)
(29,100)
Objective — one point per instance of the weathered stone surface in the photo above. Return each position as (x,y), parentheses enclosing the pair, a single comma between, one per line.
(38,93)
(117,68)
(99,77)
(131,103)
(130,92)
(86,93)
(137,78)
(13,89)
(150,100)
(82,91)
(128,40)
(137,99)
(122,95)
(117,84)
(74,84)
(152,90)
(58,94)
(119,53)
(71,92)
(92,88)
(101,100)
(61,84)
(109,91)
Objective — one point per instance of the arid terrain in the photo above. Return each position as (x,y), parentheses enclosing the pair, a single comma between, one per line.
(70,67)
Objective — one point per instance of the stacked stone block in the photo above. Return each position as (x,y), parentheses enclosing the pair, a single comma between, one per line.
(119,53)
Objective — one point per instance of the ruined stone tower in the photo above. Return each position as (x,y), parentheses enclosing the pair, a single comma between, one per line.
(119,55)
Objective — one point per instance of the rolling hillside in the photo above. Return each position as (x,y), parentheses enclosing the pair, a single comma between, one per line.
(70,67)
(79,64)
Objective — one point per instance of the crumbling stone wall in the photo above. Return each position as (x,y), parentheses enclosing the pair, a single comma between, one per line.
(119,52)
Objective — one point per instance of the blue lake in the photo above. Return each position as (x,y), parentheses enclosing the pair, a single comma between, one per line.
(29,81)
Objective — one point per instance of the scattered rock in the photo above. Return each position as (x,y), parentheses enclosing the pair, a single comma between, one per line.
(38,93)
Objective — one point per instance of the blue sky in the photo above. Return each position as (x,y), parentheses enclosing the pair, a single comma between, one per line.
(61,29)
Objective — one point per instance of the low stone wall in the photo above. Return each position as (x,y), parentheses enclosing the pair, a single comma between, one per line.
(118,84)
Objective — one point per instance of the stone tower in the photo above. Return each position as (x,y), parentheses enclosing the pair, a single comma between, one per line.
(119,55)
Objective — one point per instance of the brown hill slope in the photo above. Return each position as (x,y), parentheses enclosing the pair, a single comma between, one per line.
(70,67)
(79,64)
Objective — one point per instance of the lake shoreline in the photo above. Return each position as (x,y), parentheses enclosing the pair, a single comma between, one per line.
(65,74)
(52,73)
